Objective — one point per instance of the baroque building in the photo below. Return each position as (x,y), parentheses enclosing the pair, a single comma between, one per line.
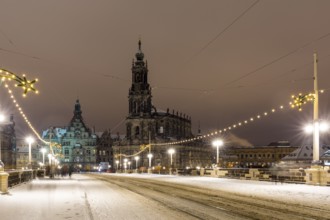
(146,124)
(78,142)
(144,121)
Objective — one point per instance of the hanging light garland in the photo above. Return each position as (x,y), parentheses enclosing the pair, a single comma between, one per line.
(143,147)
(298,102)
(20,110)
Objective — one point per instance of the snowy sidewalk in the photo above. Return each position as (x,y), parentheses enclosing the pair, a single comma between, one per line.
(60,198)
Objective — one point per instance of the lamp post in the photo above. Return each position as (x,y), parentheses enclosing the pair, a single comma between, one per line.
(30,140)
(50,156)
(2,118)
(49,159)
(43,151)
(125,164)
(129,165)
(171,152)
(117,162)
(136,158)
(149,156)
(217,144)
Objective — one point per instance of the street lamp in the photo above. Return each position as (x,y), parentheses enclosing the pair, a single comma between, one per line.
(171,151)
(125,164)
(322,127)
(149,156)
(117,162)
(217,144)
(2,118)
(50,159)
(43,151)
(30,140)
(129,165)
(136,161)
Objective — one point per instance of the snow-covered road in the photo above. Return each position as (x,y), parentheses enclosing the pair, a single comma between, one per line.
(133,196)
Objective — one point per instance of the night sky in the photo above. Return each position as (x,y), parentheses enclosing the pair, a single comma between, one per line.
(218,61)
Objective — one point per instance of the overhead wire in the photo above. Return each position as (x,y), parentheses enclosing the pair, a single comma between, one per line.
(223,30)
(275,60)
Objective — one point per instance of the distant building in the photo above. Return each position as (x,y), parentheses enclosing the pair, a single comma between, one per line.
(303,156)
(145,123)
(22,154)
(326,157)
(78,142)
(8,143)
(263,156)
(104,151)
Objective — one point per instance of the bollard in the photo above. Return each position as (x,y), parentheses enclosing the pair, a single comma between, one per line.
(4,182)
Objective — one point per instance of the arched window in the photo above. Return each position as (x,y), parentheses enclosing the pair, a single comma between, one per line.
(137,130)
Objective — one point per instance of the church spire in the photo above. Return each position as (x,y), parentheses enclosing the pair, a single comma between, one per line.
(77,109)
(139,55)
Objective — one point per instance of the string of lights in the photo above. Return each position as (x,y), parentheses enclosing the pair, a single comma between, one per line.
(142,148)
(27,86)
(298,102)
(20,110)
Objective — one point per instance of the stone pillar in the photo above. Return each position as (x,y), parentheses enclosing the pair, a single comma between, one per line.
(4,182)
(316,175)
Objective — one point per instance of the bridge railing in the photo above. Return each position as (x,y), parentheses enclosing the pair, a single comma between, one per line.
(20,176)
(262,174)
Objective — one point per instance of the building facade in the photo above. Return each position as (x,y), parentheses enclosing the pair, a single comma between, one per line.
(76,143)
(22,155)
(8,143)
(146,124)
(255,157)
(144,121)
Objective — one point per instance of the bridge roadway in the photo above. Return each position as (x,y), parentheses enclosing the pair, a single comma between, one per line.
(124,196)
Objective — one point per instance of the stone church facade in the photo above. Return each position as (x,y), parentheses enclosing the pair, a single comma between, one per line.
(146,124)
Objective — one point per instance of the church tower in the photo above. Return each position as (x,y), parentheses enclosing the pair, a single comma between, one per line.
(140,92)
(140,122)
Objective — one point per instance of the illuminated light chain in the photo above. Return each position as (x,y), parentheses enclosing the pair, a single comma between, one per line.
(309,97)
(301,99)
(27,121)
(51,144)
(26,85)
(23,114)
(236,125)
(142,148)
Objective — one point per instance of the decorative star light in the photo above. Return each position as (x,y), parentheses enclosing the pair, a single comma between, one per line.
(300,100)
(27,85)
